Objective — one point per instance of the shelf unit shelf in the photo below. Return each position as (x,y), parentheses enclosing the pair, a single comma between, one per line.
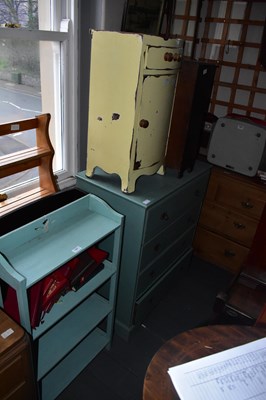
(40,156)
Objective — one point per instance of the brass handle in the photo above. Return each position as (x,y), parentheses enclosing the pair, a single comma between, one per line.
(143,123)
(229,253)
(247,204)
(3,197)
(177,57)
(238,225)
(164,216)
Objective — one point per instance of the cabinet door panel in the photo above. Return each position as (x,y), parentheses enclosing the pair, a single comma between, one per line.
(153,121)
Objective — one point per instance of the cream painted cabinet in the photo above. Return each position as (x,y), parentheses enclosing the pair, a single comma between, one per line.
(132,85)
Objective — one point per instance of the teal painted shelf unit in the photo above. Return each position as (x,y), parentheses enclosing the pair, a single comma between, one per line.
(80,324)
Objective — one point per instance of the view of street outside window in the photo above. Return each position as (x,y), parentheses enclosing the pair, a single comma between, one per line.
(20,93)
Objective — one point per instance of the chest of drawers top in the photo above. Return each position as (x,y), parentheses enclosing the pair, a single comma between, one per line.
(149,189)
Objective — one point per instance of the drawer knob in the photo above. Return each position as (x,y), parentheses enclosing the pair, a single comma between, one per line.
(229,253)
(157,247)
(247,204)
(177,57)
(238,225)
(143,123)
(168,56)
(164,216)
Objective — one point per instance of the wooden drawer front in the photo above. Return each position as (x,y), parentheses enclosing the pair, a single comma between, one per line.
(162,263)
(163,214)
(228,223)
(163,57)
(147,302)
(247,296)
(16,376)
(156,246)
(219,251)
(237,195)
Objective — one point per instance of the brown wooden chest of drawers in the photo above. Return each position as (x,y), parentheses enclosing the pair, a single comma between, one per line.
(16,369)
(229,218)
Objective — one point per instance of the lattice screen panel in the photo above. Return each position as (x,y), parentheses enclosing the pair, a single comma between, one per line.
(229,34)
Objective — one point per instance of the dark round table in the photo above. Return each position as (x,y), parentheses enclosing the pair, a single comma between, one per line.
(191,345)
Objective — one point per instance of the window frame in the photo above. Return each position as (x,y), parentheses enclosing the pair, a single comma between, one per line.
(67,35)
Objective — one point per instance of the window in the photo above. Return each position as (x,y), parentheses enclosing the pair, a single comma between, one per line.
(38,74)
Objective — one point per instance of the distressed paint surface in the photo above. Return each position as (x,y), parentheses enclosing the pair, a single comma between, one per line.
(130,80)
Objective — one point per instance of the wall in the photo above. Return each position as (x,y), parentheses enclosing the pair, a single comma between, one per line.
(93,14)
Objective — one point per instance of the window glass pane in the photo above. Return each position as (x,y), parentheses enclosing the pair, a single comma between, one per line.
(234,32)
(180,7)
(242,97)
(227,74)
(230,53)
(258,11)
(14,180)
(21,13)
(20,95)
(223,93)
(245,77)
(215,31)
(30,84)
(238,9)
(254,34)
(262,80)
(250,56)
(218,9)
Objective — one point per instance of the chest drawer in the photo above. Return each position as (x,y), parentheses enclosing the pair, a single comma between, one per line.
(235,226)
(151,297)
(231,192)
(219,250)
(163,57)
(165,261)
(159,243)
(163,214)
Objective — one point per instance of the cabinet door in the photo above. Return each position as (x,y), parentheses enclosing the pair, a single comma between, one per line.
(153,120)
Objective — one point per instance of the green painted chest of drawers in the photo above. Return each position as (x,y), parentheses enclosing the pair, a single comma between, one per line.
(160,221)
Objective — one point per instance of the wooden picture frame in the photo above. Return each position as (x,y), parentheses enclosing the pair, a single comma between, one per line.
(143,16)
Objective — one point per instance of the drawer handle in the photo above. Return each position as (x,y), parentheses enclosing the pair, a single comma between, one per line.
(168,56)
(229,253)
(143,123)
(177,57)
(3,197)
(238,225)
(164,216)
(247,204)
(157,247)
